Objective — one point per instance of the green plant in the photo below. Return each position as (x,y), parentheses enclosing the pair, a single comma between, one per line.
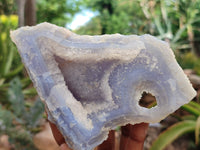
(189,60)
(20,119)
(10,62)
(59,13)
(174,21)
(186,124)
(115,16)
(7,7)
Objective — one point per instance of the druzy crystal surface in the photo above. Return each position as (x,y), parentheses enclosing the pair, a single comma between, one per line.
(92,84)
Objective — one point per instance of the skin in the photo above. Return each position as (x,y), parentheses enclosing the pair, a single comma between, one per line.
(132,138)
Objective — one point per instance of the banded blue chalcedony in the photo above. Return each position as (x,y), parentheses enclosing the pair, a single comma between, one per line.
(92,84)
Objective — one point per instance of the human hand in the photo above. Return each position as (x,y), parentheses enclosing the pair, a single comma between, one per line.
(132,138)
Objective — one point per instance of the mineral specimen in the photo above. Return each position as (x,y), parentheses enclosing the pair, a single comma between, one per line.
(92,84)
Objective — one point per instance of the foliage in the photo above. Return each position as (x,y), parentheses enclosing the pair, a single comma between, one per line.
(52,11)
(8,51)
(7,7)
(19,119)
(177,22)
(186,124)
(10,63)
(189,60)
(59,13)
(116,16)
(172,133)
(93,27)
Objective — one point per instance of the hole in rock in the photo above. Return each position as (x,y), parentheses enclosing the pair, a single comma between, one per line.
(147,100)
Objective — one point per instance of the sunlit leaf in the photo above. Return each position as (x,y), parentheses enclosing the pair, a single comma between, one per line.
(173,133)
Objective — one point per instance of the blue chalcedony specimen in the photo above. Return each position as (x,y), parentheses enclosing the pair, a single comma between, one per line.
(92,84)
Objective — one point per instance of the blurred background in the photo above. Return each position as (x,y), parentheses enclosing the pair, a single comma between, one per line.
(23,124)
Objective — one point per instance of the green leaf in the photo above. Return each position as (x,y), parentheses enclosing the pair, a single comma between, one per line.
(197,131)
(14,72)
(195,105)
(25,82)
(191,109)
(172,133)
(6,118)
(159,26)
(188,117)
(35,114)
(178,34)
(21,139)
(16,97)
(30,92)
(9,61)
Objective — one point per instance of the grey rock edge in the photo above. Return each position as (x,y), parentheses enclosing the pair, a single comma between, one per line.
(92,84)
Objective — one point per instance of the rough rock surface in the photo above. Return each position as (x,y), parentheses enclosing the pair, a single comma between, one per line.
(91,84)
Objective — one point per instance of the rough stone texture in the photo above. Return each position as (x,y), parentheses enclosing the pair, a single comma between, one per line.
(91,84)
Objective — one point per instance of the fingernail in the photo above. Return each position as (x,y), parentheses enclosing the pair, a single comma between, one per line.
(63,146)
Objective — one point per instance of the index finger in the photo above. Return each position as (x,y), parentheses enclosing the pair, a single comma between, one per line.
(133,136)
